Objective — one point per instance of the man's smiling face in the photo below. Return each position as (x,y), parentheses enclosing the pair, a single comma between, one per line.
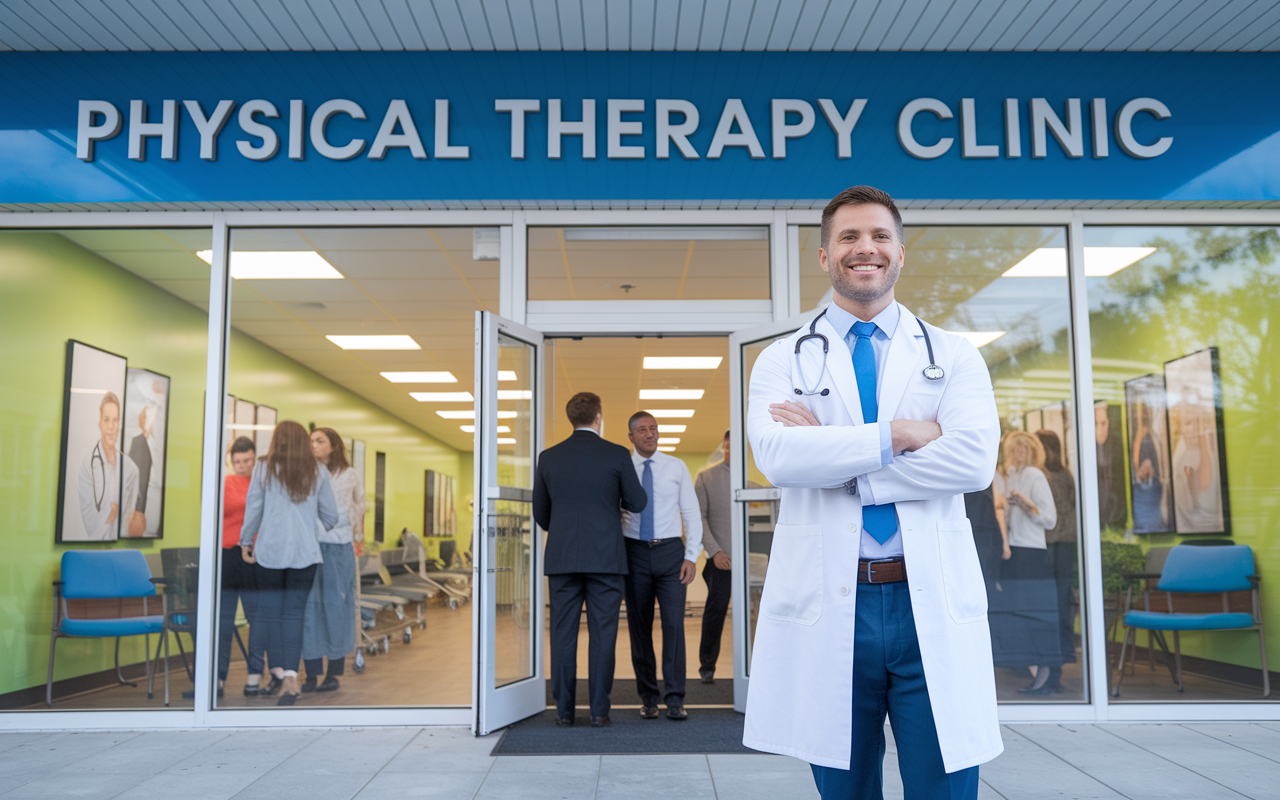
(864,255)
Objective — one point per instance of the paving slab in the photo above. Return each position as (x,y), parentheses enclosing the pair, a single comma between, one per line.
(1027,771)
(541,778)
(1257,739)
(678,777)
(1225,764)
(761,777)
(454,785)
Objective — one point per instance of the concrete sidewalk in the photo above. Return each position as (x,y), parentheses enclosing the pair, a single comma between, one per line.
(1204,761)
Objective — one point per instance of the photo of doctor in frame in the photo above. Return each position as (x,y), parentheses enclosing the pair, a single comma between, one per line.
(145,442)
(1199,454)
(97,480)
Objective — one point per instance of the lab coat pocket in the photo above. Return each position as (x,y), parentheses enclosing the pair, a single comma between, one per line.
(793,588)
(961,573)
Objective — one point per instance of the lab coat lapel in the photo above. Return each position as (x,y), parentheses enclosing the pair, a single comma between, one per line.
(904,352)
(840,365)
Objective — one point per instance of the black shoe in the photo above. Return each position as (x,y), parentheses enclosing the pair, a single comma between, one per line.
(707,675)
(329,684)
(310,685)
(601,722)
(272,687)
(564,722)
(287,699)
(252,691)
(676,712)
(649,712)
(1048,688)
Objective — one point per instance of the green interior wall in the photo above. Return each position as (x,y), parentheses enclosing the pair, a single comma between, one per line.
(1214,288)
(52,290)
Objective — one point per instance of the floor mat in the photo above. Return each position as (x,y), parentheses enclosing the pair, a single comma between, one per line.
(696,693)
(707,730)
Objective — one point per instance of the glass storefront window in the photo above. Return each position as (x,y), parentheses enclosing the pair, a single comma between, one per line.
(1184,374)
(365,338)
(101,406)
(655,263)
(1005,289)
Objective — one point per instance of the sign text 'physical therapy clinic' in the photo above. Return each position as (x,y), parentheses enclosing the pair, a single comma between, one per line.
(634,129)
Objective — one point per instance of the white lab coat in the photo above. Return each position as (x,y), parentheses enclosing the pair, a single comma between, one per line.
(800,698)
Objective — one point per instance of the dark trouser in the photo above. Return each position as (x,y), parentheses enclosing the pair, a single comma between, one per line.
(655,574)
(719,585)
(238,584)
(602,593)
(888,675)
(282,604)
(1062,558)
(315,667)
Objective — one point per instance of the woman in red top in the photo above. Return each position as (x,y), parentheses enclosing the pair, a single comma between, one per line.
(237,576)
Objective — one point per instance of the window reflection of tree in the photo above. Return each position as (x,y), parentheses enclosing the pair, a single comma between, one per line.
(1209,286)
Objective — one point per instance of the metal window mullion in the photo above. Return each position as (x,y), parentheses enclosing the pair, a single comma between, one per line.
(211,468)
(1086,451)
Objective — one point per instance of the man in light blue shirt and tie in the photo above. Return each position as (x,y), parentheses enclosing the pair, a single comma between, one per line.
(660,565)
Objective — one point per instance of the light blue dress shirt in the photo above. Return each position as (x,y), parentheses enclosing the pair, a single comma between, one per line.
(886,323)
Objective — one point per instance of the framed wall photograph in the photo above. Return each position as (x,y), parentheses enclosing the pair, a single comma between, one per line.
(1198,453)
(95,480)
(265,424)
(145,443)
(1147,451)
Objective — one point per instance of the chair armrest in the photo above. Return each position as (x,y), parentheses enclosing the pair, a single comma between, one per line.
(1254,579)
(159,581)
(59,583)
(1134,576)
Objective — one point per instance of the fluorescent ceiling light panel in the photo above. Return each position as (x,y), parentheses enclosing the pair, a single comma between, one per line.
(392,342)
(672,428)
(670,413)
(1099,262)
(277,265)
(472,429)
(443,397)
(419,377)
(506,441)
(507,375)
(667,449)
(515,394)
(979,338)
(667,234)
(470,413)
(682,362)
(671,394)
(668,440)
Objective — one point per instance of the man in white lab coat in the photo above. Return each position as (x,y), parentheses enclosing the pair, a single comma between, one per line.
(874,602)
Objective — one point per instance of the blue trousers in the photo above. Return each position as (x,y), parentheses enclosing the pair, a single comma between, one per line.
(888,677)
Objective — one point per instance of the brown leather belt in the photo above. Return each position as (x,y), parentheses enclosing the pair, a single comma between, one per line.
(881,570)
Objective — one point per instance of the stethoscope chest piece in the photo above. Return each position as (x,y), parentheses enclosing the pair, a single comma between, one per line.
(934,372)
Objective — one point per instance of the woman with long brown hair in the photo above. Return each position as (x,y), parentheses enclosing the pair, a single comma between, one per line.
(330,627)
(290,499)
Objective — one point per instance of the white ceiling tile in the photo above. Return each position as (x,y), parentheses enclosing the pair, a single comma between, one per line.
(473,18)
(736,23)
(571,22)
(714,16)
(498,19)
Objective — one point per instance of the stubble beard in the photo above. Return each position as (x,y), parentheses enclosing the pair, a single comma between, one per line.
(849,290)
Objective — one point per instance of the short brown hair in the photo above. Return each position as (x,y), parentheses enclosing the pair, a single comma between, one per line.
(243,444)
(583,408)
(858,196)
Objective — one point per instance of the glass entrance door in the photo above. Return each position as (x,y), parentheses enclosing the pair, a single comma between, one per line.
(510,683)
(756,500)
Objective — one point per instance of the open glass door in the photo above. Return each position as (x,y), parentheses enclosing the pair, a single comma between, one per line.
(509,682)
(756,500)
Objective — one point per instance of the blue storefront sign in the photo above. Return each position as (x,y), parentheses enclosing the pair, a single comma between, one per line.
(750,128)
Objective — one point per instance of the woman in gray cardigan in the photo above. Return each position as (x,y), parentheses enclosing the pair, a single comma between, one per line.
(288,494)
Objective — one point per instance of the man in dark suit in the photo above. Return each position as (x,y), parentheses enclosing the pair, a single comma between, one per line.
(580,488)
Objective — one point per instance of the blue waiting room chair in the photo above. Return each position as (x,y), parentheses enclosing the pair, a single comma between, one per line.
(1202,570)
(104,575)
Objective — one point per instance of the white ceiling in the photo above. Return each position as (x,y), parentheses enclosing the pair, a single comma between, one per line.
(641,25)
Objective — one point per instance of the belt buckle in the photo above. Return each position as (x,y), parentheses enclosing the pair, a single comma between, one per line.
(872,563)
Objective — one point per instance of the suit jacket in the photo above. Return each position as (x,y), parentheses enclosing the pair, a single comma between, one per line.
(579,490)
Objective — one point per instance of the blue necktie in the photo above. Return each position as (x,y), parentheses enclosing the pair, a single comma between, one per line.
(879,521)
(646,516)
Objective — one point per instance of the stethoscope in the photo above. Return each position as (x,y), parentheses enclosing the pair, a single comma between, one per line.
(932,372)
(98,466)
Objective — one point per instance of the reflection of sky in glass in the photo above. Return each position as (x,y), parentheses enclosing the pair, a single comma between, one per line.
(37,166)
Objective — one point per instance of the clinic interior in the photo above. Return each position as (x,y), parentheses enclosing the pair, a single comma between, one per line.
(371,331)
